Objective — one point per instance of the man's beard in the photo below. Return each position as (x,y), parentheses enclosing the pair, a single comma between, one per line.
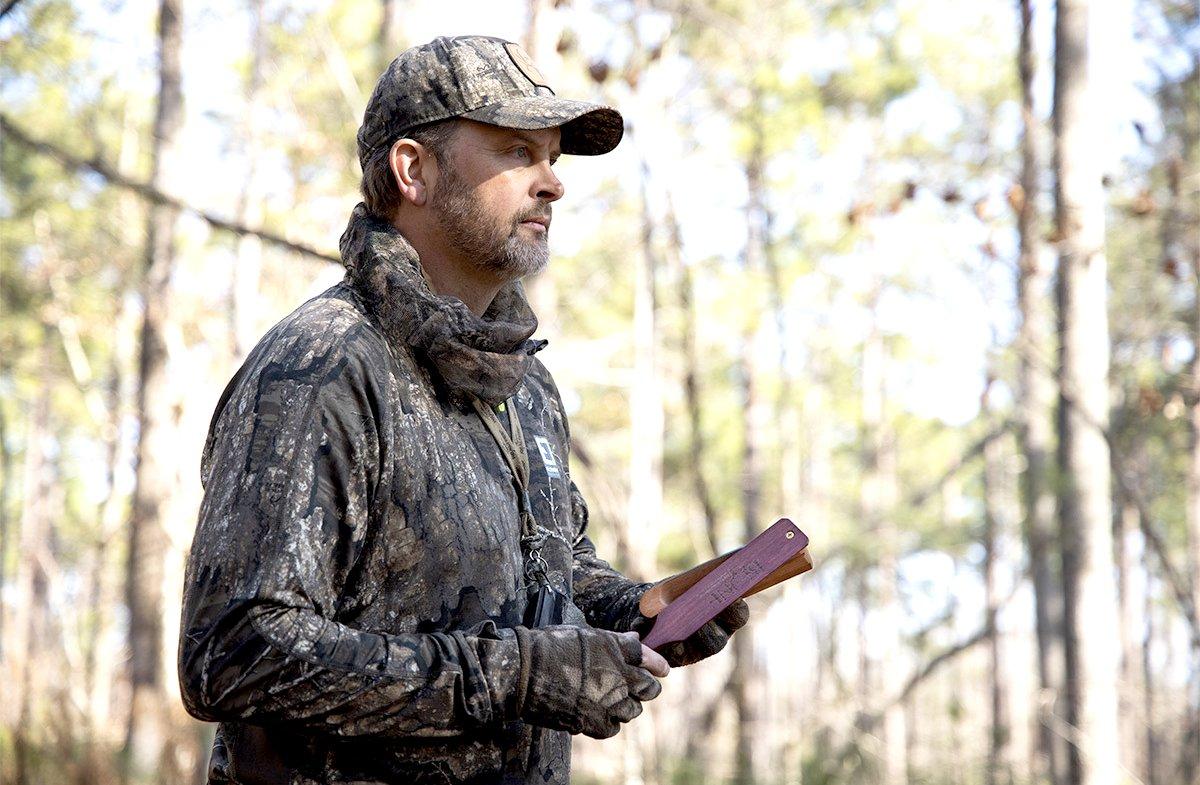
(493,243)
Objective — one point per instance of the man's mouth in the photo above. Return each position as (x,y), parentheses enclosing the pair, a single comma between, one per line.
(538,222)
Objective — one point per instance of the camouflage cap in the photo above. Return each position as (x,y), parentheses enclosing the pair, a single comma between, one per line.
(480,78)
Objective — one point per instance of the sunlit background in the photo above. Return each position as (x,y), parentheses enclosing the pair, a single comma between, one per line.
(792,290)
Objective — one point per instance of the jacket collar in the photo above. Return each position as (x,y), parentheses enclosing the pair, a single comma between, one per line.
(486,357)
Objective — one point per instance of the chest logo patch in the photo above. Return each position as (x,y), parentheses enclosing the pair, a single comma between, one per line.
(548,457)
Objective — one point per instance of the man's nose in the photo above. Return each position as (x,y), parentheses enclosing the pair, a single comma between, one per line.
(549,187)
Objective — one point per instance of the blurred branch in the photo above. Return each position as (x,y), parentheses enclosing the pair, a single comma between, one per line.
(63,318)
(931,666)
(868,721)
(1078,740)
(1126,485)
(8,6)
(149,193)
(942,619)
(1176,580)
(340,70)
(919,498)
(713,17)
(1124,481)
(606,501)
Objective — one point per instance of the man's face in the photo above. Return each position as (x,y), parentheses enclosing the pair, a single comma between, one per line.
(493,193)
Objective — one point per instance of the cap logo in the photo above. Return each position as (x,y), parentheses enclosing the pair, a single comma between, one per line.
(525,65)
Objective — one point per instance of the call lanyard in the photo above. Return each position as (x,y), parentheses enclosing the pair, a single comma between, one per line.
(512,447)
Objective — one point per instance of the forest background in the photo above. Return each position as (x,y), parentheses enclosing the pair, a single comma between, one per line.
(922,275)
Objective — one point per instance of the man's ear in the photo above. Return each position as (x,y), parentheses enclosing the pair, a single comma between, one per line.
(413,167)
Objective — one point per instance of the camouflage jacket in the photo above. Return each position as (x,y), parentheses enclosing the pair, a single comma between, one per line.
(356,574)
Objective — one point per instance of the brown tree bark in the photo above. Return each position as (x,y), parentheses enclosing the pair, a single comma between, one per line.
(697,446)
(386,38)
(243,295)
(1035,406)
(1181,237)
(25,645)
(149,192)
(1129,619)
(995,482)
(1149,699)
(744,667)
(6,485)
(1086,486)
(762,218)
(148,730)
(1190,761)
(742,680)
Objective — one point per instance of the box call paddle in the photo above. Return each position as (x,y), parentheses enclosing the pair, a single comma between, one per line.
(686,602)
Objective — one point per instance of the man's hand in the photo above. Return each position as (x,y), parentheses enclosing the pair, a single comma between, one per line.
(585,680)
(704,642)
(651,660)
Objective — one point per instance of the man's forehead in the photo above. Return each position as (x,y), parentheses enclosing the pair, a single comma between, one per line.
(542,137)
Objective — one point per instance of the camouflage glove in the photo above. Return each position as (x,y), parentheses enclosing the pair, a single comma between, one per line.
(583,680)
(704,642)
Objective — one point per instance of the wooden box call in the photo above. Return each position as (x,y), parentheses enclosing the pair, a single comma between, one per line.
(686,602)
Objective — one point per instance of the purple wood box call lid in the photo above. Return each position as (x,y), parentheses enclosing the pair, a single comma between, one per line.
(732,579)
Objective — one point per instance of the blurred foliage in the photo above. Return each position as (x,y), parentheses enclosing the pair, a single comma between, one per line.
(883,133)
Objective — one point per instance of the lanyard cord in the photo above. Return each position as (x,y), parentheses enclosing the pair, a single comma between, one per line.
(512,447)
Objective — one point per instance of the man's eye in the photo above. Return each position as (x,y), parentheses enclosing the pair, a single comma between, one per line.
(522,152)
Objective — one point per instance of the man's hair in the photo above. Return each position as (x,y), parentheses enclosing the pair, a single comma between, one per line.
(379,189)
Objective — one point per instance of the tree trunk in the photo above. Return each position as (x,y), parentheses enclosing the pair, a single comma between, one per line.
(996,507)
(817,444)
(1035,412)
(25,645)
(6,484)
(1086,487)
(1149,705)
(697,447)
(878,511)
(535,37)
(1190,763)
(1180,238)
(156,480)
(644,516)
(248,267)
(762,220)
(386,37)
(643,513)
(744,668)
(1131,700)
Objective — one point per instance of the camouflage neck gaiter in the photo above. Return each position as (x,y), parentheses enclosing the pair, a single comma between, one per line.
(485,357)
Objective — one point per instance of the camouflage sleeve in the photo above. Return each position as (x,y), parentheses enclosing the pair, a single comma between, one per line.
(292,459)
(607,598)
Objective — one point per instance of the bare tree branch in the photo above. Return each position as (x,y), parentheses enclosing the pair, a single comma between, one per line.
(868,721)
(1175,579)
(149,193)
(8,6)
(1125,483)
(934,664)
(922,496)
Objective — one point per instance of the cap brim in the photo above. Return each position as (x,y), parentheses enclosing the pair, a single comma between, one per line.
(587,129)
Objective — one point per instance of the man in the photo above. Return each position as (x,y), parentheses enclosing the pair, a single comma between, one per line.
(391,580)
